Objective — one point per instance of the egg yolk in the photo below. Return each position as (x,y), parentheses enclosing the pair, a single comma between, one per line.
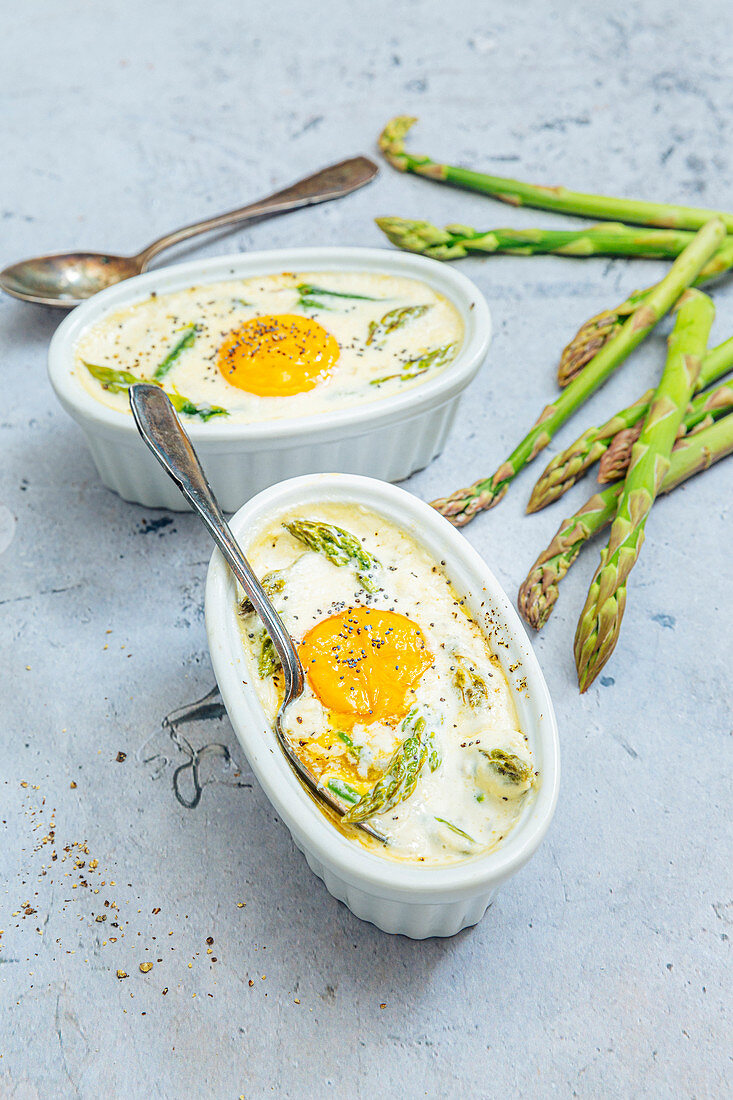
(278,355)
(362,662)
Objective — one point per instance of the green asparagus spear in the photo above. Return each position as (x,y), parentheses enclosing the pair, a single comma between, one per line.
(400,777)
(569,465)
(396,318)
(692,454)
(413,368)
(517,193)
(702,411)
(593,334)
(600,621)
(608,239)
(461,506)
(339,546)
(189,335)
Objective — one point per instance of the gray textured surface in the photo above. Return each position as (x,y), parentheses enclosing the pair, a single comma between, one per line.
(601,969)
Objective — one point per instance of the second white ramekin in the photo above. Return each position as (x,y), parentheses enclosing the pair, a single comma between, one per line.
(388,439)
(415,900)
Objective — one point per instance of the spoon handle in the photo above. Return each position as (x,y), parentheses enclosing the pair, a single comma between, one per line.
(330,183)
(162,431)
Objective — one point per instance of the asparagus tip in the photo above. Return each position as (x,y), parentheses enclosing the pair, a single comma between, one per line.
(391,141)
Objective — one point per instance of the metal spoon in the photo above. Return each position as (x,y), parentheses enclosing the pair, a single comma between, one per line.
(162,431)
(65,279)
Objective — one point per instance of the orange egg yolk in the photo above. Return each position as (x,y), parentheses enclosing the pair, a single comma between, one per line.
(278,355)
(362,662)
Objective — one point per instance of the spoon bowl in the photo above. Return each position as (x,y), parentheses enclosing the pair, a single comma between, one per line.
(65,279)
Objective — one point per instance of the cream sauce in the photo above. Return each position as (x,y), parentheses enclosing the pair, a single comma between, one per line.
(138,338)
(466,806)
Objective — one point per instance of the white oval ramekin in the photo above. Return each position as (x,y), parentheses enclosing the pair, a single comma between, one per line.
(414,900)
(388,438)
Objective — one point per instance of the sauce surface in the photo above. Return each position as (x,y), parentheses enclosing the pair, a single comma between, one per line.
(407,716)
(273,346)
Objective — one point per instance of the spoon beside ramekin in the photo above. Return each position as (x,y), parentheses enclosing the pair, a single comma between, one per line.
(65,279)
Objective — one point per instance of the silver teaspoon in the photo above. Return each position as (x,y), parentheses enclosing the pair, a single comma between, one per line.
(161,429)
(64,279)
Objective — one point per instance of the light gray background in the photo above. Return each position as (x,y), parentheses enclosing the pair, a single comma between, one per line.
(600,970)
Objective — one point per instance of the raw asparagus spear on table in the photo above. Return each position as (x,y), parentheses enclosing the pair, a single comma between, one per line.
(569,465)
(598,330)
(691,455)
(461,506)
(561,199)
(600,621)
(609,239)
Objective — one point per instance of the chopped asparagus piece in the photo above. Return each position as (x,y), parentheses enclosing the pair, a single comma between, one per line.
(116,381)
(413,368)
(471,686)
(310,297)
(396,318)
(189,335)
(354,749)
(508,764)
(344,790)
(268,661)
(273,583)
(182,405)
(400,777)
(434,757)
(339,546)
(455,829)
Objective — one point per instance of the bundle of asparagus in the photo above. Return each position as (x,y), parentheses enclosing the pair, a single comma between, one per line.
(691,455)
(569,465)
(600,621)
(660,440)
(461,506)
